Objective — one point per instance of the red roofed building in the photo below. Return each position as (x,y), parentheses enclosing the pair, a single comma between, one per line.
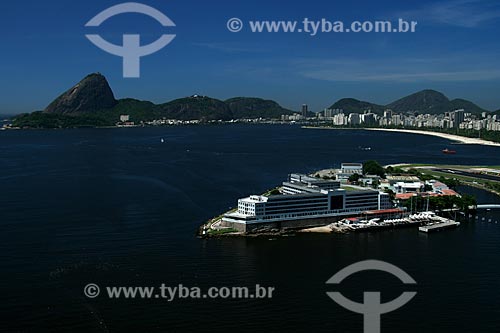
(405,196)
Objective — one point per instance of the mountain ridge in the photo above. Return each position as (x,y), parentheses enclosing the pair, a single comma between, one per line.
(93,95)
(424,101)
(93,100)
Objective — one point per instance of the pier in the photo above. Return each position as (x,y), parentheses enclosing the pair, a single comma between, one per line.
(489,206)
(438,223)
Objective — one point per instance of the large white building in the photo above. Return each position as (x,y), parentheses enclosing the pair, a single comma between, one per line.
(124,118)
(340,119)
(402,184)
(352,168)
(403,187)
(305,200)
(349,169)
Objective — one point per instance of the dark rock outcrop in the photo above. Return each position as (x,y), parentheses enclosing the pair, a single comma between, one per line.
(90,95)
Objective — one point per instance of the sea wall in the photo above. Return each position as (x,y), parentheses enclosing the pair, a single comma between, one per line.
(282,225)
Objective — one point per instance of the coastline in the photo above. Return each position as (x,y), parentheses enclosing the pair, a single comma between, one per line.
(457,138)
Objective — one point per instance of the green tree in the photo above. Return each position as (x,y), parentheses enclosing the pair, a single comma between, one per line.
(373,168)
(354,178)
(450,182)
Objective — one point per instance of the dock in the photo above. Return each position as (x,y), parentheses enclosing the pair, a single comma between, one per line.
(439,226)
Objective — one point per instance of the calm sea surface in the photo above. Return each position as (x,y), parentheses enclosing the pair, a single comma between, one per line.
(117,207)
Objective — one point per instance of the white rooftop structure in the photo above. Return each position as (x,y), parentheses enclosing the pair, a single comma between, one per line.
(351,168)
(403,187)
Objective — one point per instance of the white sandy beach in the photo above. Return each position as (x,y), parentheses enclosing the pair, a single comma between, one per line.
(320,230)
(457,138)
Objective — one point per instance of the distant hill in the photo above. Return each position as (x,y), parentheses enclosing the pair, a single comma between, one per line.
(92,101)
(251,108)
(432,102)
(195,108)
(91,94)
(200,108)
(136,109)
(425,101)
(351,105)
(468,106)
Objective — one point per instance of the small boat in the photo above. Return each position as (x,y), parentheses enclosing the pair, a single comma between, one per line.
(162,140)
(448,151)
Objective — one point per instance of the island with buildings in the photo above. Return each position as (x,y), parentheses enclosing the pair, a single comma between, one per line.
(358,197)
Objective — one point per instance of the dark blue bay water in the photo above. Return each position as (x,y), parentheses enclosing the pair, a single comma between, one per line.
(118,207)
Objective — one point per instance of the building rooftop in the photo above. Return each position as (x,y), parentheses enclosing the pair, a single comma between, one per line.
(416,184)
(384,211)
(255,198)
(350,188)
(405,196)
(405,178)
(301,178)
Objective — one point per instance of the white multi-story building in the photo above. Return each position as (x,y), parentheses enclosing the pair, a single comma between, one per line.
(404,187)
(340,119)
(258,209)
(351,168)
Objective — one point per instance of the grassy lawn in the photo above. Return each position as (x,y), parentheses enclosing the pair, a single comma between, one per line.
(274,191)
(452,176)
(487,184)
(221,231)
(444,166)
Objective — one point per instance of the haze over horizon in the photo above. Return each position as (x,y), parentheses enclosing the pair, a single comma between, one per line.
(454,51)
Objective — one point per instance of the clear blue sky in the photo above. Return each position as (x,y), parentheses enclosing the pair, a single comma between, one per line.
(455,50)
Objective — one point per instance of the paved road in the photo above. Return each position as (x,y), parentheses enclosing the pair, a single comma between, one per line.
(469,174)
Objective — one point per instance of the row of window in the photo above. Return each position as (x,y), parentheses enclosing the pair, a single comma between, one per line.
(318,213)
